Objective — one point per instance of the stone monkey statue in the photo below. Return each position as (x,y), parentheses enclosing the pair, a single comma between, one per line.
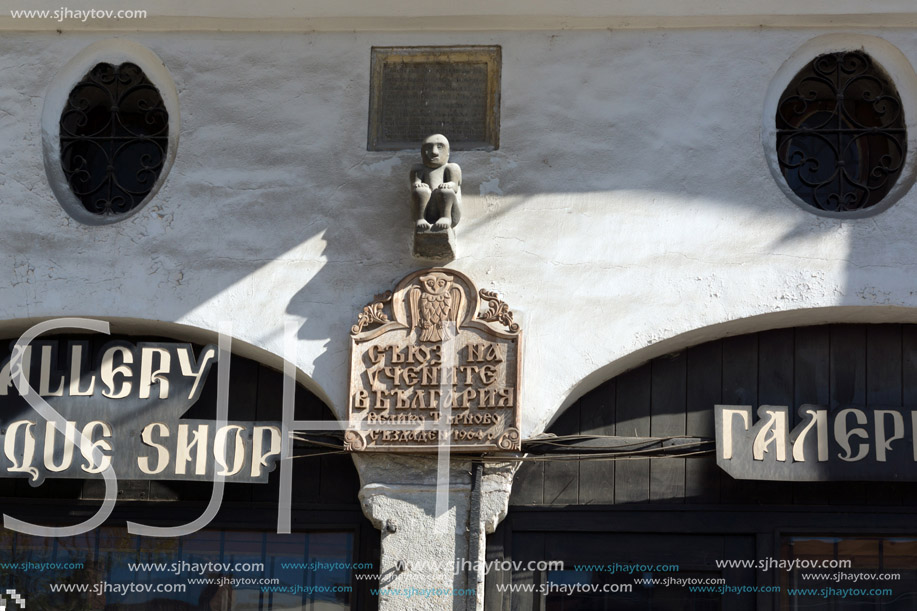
(436,187)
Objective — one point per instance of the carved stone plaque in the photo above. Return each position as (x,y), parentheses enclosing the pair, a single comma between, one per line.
(431,365)
(418,91)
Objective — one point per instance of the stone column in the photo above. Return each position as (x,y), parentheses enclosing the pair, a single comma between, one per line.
(423,552)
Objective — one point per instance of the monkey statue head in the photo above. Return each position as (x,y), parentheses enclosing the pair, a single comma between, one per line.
(435,151)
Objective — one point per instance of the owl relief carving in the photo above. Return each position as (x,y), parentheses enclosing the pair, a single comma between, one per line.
(435,303)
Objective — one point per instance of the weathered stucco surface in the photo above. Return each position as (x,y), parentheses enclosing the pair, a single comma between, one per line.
(441,15)
(629,210)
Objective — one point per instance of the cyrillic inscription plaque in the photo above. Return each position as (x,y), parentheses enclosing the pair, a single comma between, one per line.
(418,91)
(431,366)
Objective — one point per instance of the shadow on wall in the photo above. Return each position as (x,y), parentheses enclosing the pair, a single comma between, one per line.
(586,172)
(591,181)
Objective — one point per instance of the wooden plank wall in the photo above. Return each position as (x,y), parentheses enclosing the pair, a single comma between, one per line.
(834,365)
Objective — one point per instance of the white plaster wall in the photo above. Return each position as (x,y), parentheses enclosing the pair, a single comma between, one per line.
(444,15)
(629,211)
(240,9)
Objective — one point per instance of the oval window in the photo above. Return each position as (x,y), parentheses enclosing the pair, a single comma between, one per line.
(841,138)
(114,135)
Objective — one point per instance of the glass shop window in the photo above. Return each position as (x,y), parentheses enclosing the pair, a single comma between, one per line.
(227,570)
(601,591)
(849,573)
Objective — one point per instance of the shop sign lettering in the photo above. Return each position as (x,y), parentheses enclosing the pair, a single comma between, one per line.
(127,401)
(843,443)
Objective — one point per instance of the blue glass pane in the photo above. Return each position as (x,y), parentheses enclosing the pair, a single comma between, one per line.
(110,570)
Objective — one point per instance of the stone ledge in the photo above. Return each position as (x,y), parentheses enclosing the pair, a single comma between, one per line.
(435,245)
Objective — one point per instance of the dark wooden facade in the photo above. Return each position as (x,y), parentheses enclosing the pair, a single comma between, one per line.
(686,510)
(325,485)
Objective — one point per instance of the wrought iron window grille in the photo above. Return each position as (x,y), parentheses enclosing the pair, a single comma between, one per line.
(114,133)
(841,139)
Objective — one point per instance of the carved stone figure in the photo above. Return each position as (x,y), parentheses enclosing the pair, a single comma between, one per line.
(436,196)
(437,302)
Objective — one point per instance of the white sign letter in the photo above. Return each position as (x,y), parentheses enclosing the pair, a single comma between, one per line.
(842,435)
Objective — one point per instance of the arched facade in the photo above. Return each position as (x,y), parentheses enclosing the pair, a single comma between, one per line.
(629,206)
(239,542)
(637,506)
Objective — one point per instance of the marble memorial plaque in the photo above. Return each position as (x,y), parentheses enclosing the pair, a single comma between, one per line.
(432,365)
(418,91)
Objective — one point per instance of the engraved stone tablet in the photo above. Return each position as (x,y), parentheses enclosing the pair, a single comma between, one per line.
(431,366)
(418,91)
